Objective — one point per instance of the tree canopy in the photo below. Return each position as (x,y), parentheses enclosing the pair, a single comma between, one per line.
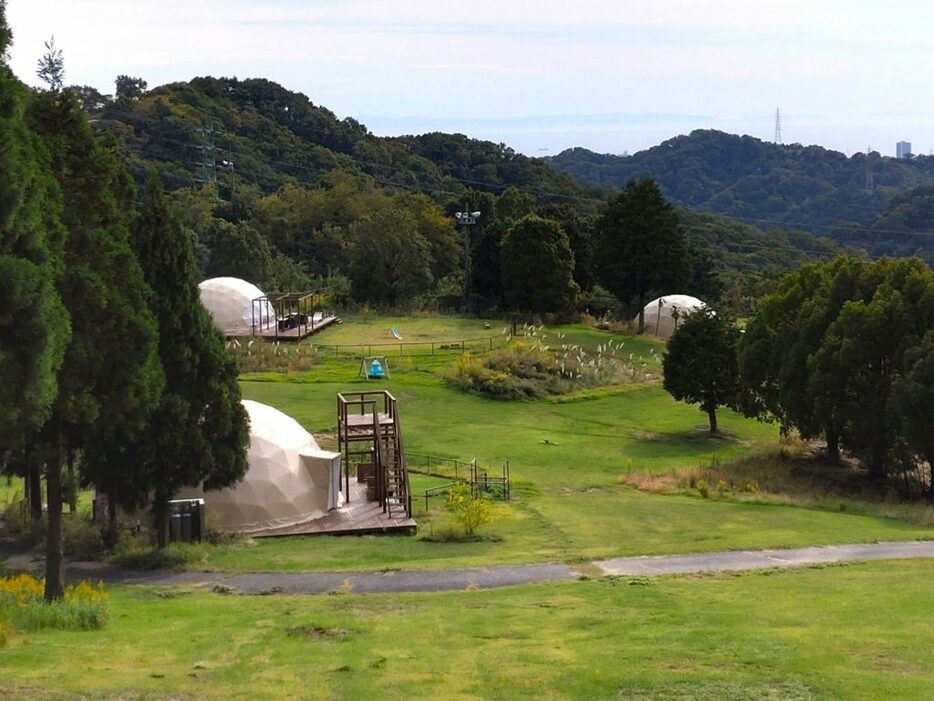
(639,245)
(537,267)
(699,365)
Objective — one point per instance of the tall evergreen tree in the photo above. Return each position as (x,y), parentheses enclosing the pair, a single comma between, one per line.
(200,431)
(639,246)
(34,324)
(110,372)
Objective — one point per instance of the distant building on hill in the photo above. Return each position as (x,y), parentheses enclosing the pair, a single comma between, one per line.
(903,150)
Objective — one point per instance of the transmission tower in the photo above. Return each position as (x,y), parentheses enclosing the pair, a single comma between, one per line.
(207,164)
(778,126)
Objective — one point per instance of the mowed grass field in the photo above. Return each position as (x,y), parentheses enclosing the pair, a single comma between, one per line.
(566,456)
(851,632)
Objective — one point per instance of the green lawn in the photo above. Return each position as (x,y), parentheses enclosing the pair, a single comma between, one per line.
(853,632)
(567,455)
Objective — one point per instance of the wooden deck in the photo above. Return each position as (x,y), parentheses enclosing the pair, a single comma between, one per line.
(272,334)
(359,517)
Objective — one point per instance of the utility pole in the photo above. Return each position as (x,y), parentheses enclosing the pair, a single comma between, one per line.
(467,219)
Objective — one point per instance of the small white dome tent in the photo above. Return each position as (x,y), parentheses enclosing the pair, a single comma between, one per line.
(290,480)
(663,315)
(230,301)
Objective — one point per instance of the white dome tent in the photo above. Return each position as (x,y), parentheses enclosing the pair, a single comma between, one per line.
(233,306)
(662,315)
(290,480)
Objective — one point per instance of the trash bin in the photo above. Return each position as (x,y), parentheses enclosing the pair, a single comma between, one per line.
(186,520)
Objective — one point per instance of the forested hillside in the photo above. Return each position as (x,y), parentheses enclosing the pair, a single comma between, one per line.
(256,134)
(767,184)
(280,191)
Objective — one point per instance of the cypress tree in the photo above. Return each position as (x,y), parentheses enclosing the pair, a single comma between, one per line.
(33,324)
(200,431)
(110,375)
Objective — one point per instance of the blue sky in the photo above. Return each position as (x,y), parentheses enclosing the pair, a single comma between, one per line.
(613,76)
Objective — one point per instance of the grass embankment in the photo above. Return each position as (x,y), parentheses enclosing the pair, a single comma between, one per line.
(853,632)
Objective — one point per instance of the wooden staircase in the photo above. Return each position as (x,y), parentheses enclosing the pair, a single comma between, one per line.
(369,437)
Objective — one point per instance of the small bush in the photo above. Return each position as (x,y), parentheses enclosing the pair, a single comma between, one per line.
(22,606)
(469,510)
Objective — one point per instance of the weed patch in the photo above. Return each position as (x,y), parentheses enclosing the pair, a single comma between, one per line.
(23,608)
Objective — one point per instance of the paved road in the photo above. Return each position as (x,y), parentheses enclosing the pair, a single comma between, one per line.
(394,581)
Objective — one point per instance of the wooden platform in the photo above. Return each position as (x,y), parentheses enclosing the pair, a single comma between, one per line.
(271,334)
(359,517)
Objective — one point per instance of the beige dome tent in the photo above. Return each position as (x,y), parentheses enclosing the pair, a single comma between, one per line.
(289,479)
(663,315)
(233,305)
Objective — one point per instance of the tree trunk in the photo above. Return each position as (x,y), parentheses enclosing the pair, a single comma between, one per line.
(34,480)
(877,464)
(110,528)
(55,546)
(712,417)
(930,493)
(160,512)
(833,446)
(641,314)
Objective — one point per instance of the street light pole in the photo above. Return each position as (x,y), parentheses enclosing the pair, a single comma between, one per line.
(467,219)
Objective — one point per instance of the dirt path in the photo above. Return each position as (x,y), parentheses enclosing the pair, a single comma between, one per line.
(394,581)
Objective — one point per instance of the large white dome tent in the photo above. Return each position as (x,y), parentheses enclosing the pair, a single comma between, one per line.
(233,305)
(290,480)
(662,315)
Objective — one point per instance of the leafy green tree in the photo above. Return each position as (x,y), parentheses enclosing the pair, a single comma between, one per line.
(199,432)
(538,267)
(389,259)
(700,364)
(861,356)
(239,251)
(911,405)
(129,88)
(579,228)
(780,340)
(110,374)
(639,245)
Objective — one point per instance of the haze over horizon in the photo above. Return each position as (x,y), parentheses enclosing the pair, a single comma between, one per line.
(606,77)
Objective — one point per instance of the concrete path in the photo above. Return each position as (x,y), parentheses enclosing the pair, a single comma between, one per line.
(388,581)
(763,559)
(459,579)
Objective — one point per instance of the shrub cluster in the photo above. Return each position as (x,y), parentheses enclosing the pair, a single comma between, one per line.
(22,606)
(260,356)
(529,368)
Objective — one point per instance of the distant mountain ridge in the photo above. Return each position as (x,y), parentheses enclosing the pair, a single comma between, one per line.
(800,187)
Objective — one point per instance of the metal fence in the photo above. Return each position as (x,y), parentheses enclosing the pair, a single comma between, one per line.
(403,348)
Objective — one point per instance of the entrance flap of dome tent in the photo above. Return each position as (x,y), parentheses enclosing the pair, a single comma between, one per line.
(324,469)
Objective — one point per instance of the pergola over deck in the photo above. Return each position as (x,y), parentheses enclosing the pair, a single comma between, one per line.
(289,316)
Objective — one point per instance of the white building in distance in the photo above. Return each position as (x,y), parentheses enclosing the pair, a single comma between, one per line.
(903,150)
